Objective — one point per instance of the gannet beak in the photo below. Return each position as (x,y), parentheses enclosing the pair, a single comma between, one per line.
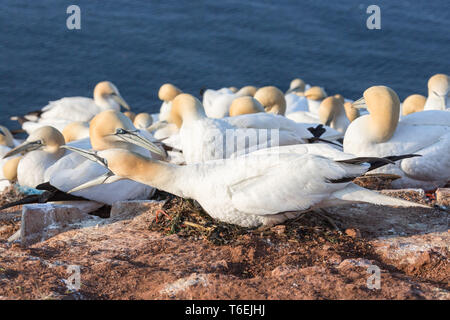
(360,104)
(25,147)
(157,125)
(292,90)
(90,155)
(132,137)
(108,177)
(121,101)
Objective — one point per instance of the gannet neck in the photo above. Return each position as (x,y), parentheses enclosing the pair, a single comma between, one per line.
(329,109)
(383,105)
(413,103)
(438,92)
(272,99)
(351,112)
(186,109)
(10,168)
(75,130)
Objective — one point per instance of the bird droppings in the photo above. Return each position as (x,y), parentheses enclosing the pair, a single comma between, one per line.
(170,249)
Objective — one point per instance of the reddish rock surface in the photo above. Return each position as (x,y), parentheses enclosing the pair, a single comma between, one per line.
(122,258)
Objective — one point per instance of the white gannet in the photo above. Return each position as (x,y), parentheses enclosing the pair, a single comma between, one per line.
(61,112)
(296,85)
(217,102)
(413,103)
(380,134)
(438,93)
(76,130)
(295,102)
(314,96)
(8,165)
(245,105)
(167,92)
(143,120)
(331,113)
(272,99)
(262,188)
(108,129)
(203,138)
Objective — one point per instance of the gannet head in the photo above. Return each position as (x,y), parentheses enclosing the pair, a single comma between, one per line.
(351,112)
(245,105)
(315,93)
(384,108)
(130,114)
(296,85)
(167,92)
(112,129)
(44,138)
(329,108)
(247,91)
(106,94)
(10,168)
(72,130)
(413,103)
(438,86)
(143,120)
(6,138)
(272,99)
(340,97)
(233,89)
(185,107)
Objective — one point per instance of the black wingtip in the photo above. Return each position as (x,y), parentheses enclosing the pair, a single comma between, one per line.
(318,131)
(202,91)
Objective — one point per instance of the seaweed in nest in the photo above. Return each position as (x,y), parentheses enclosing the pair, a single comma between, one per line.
(187,219)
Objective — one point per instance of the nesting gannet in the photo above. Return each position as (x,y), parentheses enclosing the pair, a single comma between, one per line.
(314,96)
(108,129)
(380,134)
(272,99)
(61,112)
(8,165)
(245,105)
(413,103)
(262,188)
(296,85)
(143,120)
(331,113)
(167,92)
(203,138)
(217,102)
(438,93)
(76,130)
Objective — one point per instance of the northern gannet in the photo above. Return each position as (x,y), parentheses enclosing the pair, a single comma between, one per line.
(296,85)
(61,112)
(76,130)
(272,99)
(245,105)
(413,103)
(8,165)
(167,92)
(314,96)
(438,93)
(143,121)
(380,133)
(266,187)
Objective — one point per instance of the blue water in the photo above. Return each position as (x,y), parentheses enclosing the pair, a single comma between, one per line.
(141,44)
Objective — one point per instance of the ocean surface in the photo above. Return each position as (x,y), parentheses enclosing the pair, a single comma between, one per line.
(141,44)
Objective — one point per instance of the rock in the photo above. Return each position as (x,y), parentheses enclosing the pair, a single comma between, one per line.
(279,229)
(44,220)
(134,207)
(182,284)
(359,262)
(443,197)
(352,232)
(415,195)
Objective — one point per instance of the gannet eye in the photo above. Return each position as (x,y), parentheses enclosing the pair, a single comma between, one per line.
(120,131)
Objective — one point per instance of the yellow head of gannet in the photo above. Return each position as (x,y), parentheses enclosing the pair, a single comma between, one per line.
(247,91)
(106,91)
(438,92)
(384,108)
(315,93)
(186,107)
(143,120)
(112,129)
(413,103)
(329,108)
(340,97)
(6,138)
(167,92)
(10,168)
(272,99)
(75,131)
(45,138)
(351,112)
(245,105)
(296,85)
(233,89)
